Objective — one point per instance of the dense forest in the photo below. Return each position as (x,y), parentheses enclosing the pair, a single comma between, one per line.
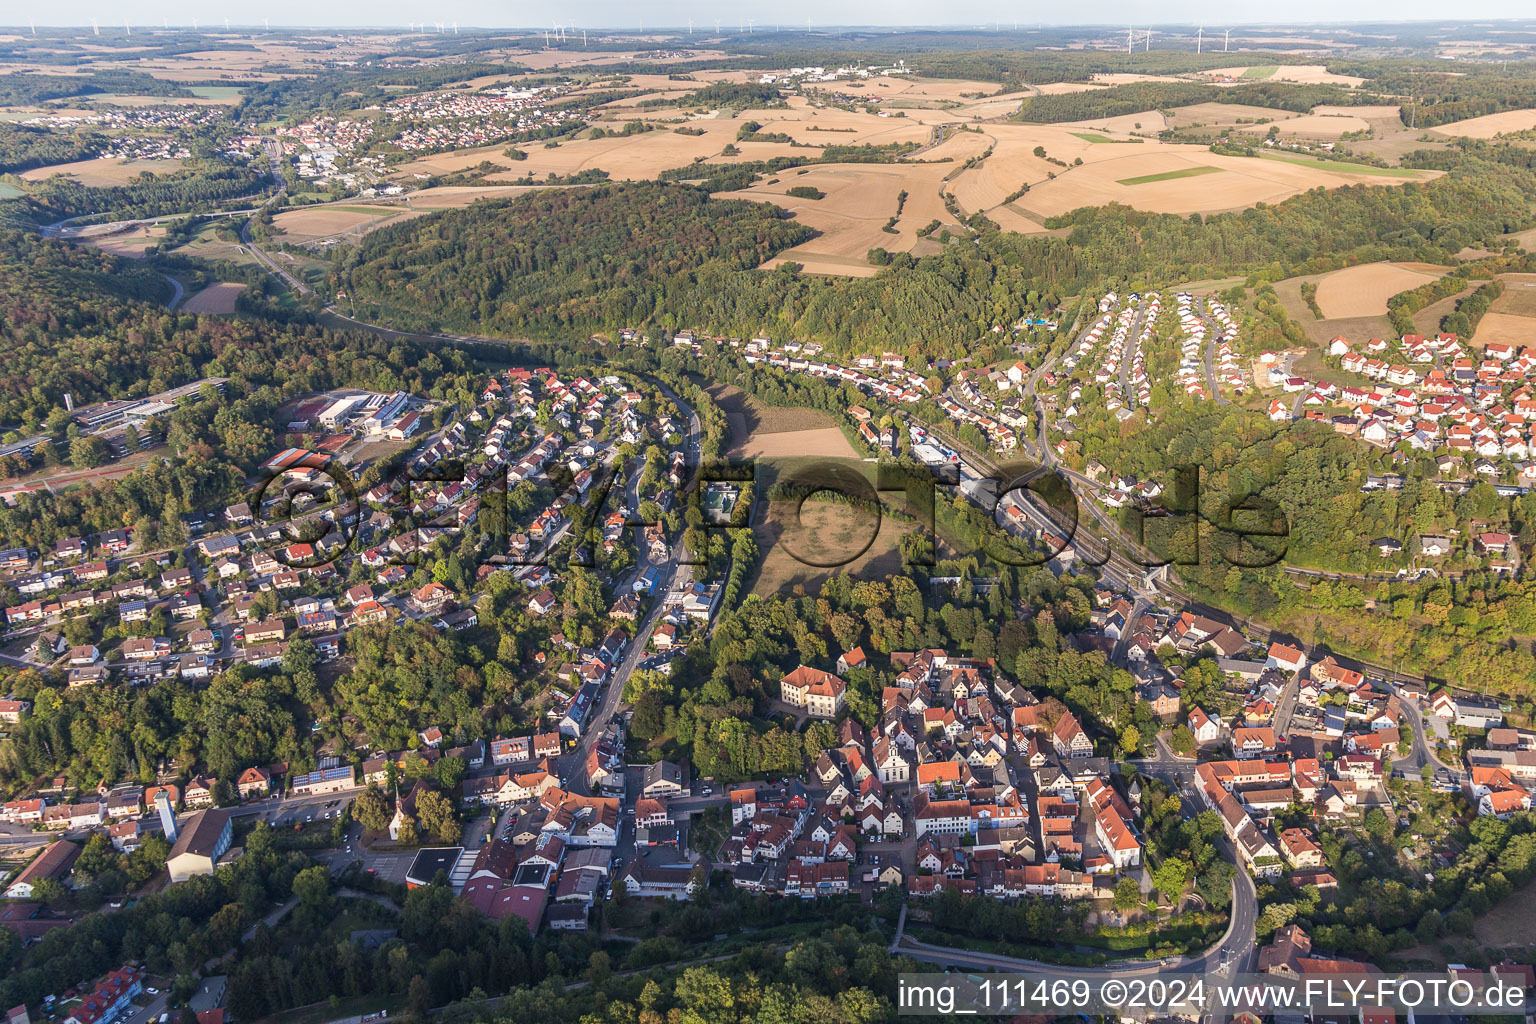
(23,147)
(1138,97)
(200,186)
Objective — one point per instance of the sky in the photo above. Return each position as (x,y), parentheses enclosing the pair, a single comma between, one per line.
(620,14)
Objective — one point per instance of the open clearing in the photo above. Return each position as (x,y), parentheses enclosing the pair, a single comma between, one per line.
(314,222)
(130,242)
(103,170)
(1519,298)
(826,534)
(1364,290)
(216,298)
(1489,125)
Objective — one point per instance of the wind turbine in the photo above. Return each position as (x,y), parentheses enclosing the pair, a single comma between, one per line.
(690,28)
(1226,40)
(1130,38)
(717,26)
(1200,39)
(226,23)
(128,29)
(95,27)
(1149,41)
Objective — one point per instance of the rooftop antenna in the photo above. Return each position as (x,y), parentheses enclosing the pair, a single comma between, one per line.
(1226,40)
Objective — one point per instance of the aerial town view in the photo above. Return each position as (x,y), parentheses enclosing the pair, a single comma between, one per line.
(653,515)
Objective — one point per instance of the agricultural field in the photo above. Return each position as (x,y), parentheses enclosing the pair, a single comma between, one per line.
(1160,179)
(1489,125)
(1301,74)
(1364,290)
(768,431)
(1319,126)
(130,242)
(216,298)
(860,199)
(312,223)
(103,170)
(1512,318)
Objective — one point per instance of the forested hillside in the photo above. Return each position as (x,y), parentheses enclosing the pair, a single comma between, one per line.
(553,265)
(1137,97)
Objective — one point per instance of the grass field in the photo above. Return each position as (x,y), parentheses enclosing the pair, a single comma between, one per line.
(1094,137)
(1341,167)
(1265,72)
(215,92)
(1185,172)
(1519,298)
(8,191)
(824,539)
(216,298)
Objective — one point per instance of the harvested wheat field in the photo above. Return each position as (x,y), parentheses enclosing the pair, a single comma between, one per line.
(1131,78)
(103,170)
(1184,180)
(827,441)
(1013,162)
(1146,121)
(1489,125)
(1302,74)
(859,200)
(1364,290)
(1320,126)
(308,224)
(1505,329)
(1209,114)
(641,157)
(216,298)
(1064,88)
